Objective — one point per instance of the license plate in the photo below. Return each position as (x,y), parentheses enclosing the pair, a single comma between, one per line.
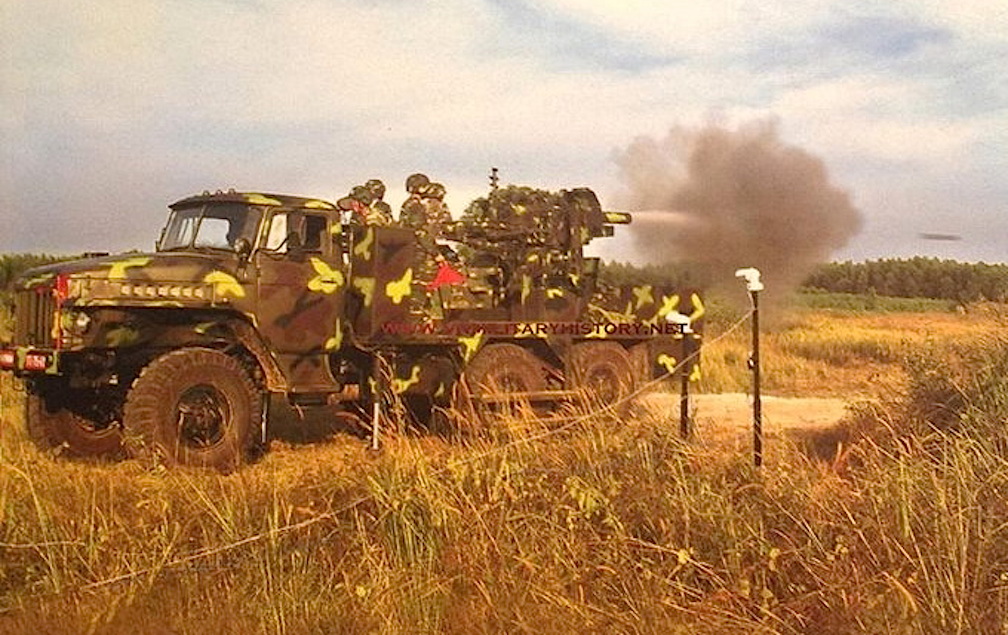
(36,361)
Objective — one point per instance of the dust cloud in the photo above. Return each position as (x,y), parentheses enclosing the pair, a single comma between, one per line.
(723,199)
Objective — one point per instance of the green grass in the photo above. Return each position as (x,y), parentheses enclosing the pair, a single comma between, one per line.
(869,303)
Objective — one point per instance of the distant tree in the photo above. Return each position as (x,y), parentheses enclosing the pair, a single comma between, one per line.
(13,265)
(915,278)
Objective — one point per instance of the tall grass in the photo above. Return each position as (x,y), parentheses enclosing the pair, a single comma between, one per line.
(837,352)
(608,525)
(618,527)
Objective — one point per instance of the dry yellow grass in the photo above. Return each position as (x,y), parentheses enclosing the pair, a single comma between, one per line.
(841,353)
(602,526)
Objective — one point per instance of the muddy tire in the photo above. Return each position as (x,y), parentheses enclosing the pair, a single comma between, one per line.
(70,422)
(505,368)
(193,406)
(604,370)
(499,369)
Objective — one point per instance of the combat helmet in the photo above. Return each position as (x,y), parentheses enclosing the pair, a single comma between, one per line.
(416,181)
(362,194)
(435,191)
(377,189)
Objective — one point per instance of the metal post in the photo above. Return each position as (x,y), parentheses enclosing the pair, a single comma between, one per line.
(757,402)
(685,332)
(685,429)
(377,385)
(754,286)
(376,421)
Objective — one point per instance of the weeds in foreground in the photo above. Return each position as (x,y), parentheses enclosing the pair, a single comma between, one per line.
(616,526)
(612,524)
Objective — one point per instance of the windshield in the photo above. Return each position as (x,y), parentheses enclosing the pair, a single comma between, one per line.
(215,226)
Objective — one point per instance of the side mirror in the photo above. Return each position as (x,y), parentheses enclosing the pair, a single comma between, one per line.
(243,248)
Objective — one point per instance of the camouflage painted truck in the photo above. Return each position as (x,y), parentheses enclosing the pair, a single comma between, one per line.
(175,353)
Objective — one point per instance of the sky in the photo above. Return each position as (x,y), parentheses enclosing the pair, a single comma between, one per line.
(111,109)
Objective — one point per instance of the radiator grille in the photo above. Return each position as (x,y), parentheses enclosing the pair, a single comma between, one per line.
(34,312)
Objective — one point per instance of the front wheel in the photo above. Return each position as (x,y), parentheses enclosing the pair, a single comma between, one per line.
(193,406)
(78,422)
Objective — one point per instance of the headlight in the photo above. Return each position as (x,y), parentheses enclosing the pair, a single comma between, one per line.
(81,322)
(76,323)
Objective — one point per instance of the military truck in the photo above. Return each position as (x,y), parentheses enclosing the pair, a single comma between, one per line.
(174,353)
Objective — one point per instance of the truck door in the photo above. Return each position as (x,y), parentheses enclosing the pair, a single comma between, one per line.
(302,279)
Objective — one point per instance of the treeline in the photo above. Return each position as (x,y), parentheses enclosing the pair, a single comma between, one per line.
(668,275)
(13,265)
(915,278)
(918,277)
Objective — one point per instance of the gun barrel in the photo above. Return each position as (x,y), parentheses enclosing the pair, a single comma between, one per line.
(617,218)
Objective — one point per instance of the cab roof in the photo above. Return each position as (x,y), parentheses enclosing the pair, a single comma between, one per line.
(253,198)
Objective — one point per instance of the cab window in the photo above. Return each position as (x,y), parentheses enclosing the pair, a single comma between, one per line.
(295,229)
(315,230)
(276,238)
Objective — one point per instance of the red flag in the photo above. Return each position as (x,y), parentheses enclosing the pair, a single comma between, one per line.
(445,276)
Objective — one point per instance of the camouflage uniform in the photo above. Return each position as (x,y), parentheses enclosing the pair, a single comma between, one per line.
(436,212)
(418,214)
(412,213)
(378,212)
(428,216)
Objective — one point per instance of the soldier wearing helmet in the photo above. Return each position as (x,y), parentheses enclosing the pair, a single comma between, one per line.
(356,205)
(378,211)
(436,212)
(425,212)
(412,212)
(365,205)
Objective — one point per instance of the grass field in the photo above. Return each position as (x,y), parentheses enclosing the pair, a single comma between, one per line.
(596,526)
(833,345)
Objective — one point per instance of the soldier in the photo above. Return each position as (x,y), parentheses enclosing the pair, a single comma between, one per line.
(356,203)
(436,213)
(378,211)
(412,213)
(414,216)
(425,213)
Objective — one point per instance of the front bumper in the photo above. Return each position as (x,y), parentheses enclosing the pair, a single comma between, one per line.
(26,360)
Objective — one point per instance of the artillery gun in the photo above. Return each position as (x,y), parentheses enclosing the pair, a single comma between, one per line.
(175,353)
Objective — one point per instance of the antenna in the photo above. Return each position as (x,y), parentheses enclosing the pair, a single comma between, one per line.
(494,179)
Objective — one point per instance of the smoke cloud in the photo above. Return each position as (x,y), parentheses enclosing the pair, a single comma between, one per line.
(726,199)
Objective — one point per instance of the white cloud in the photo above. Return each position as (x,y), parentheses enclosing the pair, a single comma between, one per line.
(969,18)
(874,117)
(689,27)
(170,94)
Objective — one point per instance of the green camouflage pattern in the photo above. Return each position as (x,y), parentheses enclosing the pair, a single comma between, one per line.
(312,298)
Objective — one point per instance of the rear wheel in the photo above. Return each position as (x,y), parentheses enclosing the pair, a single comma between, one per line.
(82,423)
(604,371)
(194,407)
(496,371)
